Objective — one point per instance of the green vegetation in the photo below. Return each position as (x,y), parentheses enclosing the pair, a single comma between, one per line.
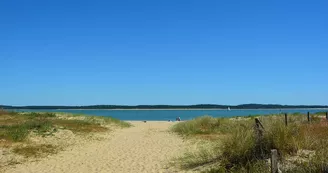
(18,130)
(201,125)
(15,127)
(239,147)
(79,126)
(120,123)
(321,113)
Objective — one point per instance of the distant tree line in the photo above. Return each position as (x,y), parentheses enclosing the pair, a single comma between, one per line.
(199,106)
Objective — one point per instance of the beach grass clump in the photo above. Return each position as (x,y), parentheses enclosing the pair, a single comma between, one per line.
(100,120)
(315,136)
(239,146)
(244,149)
(40,115)
(107,120)
(14,133)
(287,139)
(201,125)
(321,113)
(79,126)
(111,120)
(36,151)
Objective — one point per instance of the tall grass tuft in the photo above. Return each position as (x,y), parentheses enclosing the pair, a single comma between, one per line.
(239,147)
(201,125)
(14,133)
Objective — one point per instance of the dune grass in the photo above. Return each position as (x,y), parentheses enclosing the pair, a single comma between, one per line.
(15,128)
(120,123)
(242,150)
(202,126)
(101,120)
(35,151)
(79,126)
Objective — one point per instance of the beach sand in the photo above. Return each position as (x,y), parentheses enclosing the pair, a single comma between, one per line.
(145,147)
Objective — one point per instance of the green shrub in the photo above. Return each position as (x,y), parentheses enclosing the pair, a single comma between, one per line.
(16,133)
(40,126)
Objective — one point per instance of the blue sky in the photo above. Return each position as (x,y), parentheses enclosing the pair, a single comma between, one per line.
(163,52)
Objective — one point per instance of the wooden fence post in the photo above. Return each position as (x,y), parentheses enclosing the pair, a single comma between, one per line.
(274,161)
(308,117)
(258,124)
(286,120)
(259,129)
(326,115)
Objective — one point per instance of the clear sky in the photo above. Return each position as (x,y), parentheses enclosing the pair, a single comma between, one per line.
(64,52)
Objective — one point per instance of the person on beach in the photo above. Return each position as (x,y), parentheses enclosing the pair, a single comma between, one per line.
(178,119)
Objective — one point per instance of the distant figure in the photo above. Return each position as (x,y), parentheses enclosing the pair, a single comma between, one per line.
(144,121)
(169,120)
(178,119)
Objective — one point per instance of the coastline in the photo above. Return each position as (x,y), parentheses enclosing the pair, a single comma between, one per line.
(183,109)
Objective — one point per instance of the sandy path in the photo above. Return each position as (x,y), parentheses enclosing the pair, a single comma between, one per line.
(146,147)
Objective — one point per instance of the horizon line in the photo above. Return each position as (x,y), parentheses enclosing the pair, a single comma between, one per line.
(203,104)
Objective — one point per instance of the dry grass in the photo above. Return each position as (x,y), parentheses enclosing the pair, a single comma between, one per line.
(36,151)
(210,137)
(79,126)
(241,150)
(204,125)
(206,154)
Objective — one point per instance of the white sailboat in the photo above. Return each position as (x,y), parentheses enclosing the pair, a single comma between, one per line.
(228,108)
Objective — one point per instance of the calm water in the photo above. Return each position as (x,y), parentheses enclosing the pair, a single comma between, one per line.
(172,114)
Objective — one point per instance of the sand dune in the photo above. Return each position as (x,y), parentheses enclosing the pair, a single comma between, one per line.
(146,147)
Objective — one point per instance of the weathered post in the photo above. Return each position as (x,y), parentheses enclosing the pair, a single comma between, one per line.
(326,115)
(308,117)
(286,119)
(258,129)
(274,161)
(259,137)
(258,124)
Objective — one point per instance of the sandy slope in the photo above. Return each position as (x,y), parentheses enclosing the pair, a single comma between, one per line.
(146,147)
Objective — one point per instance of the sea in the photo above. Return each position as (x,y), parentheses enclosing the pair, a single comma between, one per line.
(166,115)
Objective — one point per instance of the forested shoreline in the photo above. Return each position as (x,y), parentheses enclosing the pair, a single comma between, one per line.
(198,106)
